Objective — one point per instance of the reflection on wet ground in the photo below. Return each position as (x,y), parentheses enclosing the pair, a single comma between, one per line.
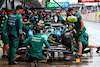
(89,62)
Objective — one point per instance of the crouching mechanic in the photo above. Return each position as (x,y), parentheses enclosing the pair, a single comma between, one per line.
(84,43)
(36,43)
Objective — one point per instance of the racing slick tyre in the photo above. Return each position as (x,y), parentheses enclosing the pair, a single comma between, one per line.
(67,40)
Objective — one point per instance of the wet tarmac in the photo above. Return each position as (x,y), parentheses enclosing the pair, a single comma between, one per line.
(92,60)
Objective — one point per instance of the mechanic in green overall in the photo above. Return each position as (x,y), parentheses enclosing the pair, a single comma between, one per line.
(47,20)
(60,18)
(25,25)
(4,38)
(64,25)
(14,26)
(33,20)
(25,28)
(84,42)
(80,29)
(36,43)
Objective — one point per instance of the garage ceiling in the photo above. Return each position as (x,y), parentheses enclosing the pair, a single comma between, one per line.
(32,3)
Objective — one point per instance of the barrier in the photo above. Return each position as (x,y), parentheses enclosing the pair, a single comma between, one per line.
(91,16)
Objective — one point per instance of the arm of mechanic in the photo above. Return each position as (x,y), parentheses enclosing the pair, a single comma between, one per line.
(70,27)
(20,32)
(82,24)
(28,22)
(20,23)
(73,31)
(58,21)
(81,21)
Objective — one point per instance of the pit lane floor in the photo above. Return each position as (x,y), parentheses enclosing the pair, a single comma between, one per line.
(93,29)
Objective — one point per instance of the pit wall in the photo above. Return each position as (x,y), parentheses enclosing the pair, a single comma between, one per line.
(91,16)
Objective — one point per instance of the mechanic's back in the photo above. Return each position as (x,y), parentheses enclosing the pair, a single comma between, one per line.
(36,43)
(14,24)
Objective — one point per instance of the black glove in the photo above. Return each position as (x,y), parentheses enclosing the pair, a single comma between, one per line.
(80,32)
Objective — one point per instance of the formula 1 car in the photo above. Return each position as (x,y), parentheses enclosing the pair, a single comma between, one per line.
(60,42)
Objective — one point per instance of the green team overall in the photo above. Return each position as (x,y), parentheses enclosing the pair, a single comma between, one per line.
(25,25)
(26,28)
(2,20)
(5,38)
(77,28)
(47,20)
(36,43)
(80,29)
(14,26)
(84,42)
(2,25)
(80,32)
(4,30)
(34,19)
(60,18)
(64,25)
